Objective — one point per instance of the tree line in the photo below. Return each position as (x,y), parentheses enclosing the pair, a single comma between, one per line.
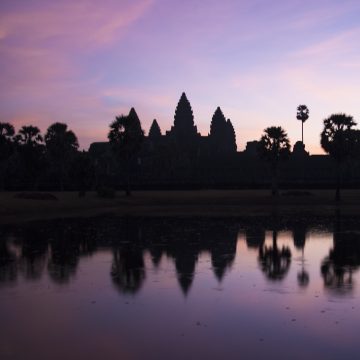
(338,138)
(28,155)
(55,156)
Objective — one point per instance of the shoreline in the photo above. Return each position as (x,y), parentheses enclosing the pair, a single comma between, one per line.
(202,203)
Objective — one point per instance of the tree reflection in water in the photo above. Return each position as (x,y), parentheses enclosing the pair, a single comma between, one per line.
(8,261)
(274,262)
(299,235)
(33,256)
(56,247)
(64,255)
(343,260)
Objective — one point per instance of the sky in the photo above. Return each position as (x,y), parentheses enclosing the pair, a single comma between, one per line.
(84,62)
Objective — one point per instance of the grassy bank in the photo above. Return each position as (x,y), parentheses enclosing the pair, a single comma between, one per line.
(179,203)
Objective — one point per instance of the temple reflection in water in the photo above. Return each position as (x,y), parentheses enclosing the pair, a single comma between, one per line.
(57,247)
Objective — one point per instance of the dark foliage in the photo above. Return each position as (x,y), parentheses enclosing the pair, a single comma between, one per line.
(337,139)
(274,146)
(6,149)
(30,150)
(126,137)
(61,147)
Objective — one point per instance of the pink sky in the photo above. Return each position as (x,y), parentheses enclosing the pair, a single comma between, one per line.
(84,62)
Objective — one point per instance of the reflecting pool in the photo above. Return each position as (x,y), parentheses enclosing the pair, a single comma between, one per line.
(177,288)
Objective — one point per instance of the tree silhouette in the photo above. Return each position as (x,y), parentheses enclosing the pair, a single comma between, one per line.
(6,148)
(337,141)
(302,114)
(31,149)
(274,146)
(126,137)
(61,146)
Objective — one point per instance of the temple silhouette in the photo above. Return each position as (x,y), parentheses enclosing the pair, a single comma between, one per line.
(183,158)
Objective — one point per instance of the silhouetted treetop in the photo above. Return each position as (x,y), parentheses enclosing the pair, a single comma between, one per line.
(154,131)
(29,135)
(59,140)
(274,144)
(6,130)
(336,137)
(337,140)
(6,133)
(61,146)
(302,113)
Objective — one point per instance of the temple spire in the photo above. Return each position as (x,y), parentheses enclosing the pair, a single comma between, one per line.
(218,124)
(154,131)
(183,127)
(230,136)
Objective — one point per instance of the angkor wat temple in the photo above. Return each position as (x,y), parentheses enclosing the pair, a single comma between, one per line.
(183,158)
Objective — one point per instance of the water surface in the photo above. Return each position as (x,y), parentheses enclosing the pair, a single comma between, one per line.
(167,288)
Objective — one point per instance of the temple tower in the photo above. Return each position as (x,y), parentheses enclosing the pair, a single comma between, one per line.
(183,129)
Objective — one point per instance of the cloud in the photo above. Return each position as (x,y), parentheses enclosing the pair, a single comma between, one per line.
(71,23)
(321,13)
(337,45)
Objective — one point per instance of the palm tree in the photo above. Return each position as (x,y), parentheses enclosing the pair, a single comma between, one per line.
(7,132)
(126,137)
(337,140)
(302,114)
(274,146)
(61,146)
(30,149)
(29,135)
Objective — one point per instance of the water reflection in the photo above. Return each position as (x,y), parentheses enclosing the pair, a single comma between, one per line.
(275,262)
(299,231)
(8,264)
(338,267)
(56,247)
(176,286)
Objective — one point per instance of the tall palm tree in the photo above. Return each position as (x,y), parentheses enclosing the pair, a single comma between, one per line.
(29,135)
(30,149)
(274,146)
(126,137)
(302,114)
(61,146)
(337,140)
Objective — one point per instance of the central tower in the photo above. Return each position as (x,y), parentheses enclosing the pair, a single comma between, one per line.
(183,129)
